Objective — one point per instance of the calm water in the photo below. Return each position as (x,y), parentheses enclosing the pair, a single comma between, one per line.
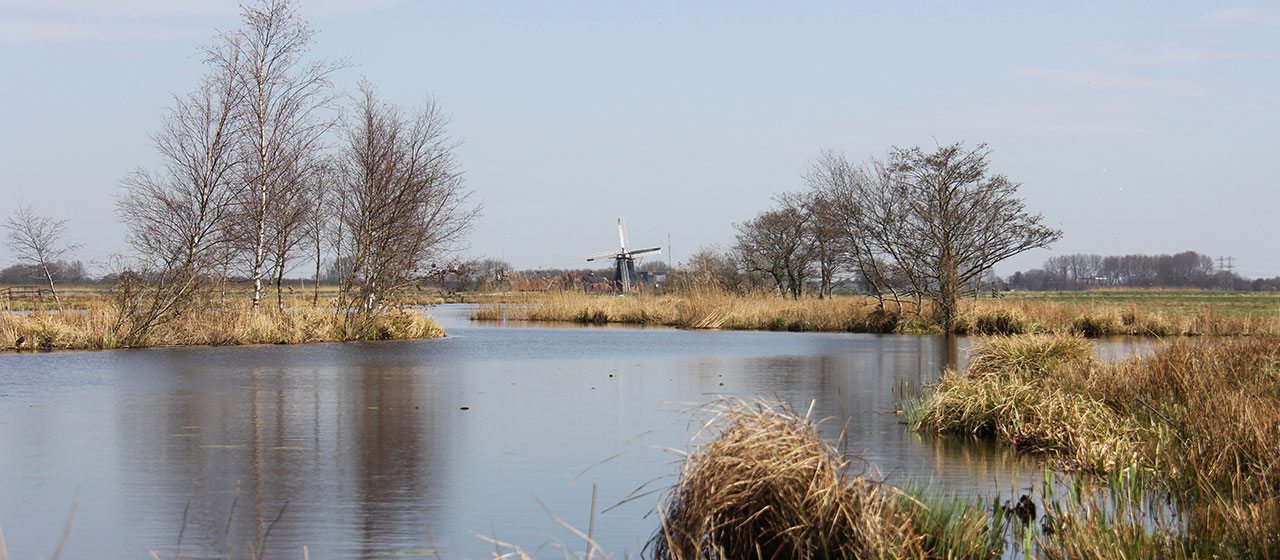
(364,449)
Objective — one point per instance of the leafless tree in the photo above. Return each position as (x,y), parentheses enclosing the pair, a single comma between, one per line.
(712,266)
(825,236)
(776,243)
(857,204)
(401,201)
(180,217)
(290,217)
(959,220)
(934,222)
(282,119)
(36,241)
(319,219)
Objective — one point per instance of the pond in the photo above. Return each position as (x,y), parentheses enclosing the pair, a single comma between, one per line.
(401,449)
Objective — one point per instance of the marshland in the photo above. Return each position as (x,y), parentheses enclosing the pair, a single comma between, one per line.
(334,279)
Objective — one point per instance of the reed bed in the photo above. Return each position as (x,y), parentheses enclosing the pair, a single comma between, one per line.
(711,308)
(699,309)
(217,325)
(1197,422)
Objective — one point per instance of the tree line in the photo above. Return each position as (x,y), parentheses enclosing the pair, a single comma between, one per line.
(1187,269)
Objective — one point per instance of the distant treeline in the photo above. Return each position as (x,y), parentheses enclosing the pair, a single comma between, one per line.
(1187,269)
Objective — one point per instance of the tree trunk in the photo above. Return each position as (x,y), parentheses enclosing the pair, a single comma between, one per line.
(49,276)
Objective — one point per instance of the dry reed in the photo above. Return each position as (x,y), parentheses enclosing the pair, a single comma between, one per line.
(216,325)
(713,308)
(1198,420)
(768,487)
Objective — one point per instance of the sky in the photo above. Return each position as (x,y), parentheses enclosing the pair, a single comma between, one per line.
(1144,127)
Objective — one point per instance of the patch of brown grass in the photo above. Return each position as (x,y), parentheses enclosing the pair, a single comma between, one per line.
(215,325)
(768,487)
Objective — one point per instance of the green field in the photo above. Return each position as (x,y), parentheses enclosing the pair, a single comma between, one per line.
(1262,304)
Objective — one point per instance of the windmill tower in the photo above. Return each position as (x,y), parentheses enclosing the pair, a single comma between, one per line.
(624,263)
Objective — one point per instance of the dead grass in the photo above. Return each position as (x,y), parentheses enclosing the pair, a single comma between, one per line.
(699,309)
(767,486)
(1198,420)
(711,308)
(215,325)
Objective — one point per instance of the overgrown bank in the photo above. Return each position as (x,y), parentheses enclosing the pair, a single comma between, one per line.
(1197,423)
(718,309)
(102,327)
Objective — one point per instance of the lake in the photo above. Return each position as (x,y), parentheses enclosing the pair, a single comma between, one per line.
(399,449)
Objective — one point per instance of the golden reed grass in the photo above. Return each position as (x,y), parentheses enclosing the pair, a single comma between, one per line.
(768,487)
(710,308)
(1198,419)
(217,325)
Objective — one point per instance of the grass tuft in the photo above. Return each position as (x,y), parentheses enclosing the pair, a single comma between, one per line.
(768,487)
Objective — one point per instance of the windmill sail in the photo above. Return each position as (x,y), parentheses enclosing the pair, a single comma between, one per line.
(624,264)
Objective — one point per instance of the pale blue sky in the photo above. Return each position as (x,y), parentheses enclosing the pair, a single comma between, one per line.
(1142,128)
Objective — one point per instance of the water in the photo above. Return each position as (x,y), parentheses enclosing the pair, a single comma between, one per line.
(366,450)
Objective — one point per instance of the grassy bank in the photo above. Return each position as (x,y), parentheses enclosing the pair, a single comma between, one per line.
(98,327)
(1138,313)
(1197,422)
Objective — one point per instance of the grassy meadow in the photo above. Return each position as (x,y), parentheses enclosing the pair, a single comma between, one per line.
(1092,313)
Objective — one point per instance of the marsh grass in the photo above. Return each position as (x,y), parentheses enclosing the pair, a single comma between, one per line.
(217,325)
(1197,422)
(765,485)
(705,307)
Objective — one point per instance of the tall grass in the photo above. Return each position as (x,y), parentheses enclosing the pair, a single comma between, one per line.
(1199,421)
(766,486)
(218,325)
(709,307)
(699,308)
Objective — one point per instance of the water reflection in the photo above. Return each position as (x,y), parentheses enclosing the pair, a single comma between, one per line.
(366,450)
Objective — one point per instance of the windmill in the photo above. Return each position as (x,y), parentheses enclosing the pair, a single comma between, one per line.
(624,262)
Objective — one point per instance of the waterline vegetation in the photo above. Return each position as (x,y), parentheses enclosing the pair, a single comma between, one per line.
(217,324)
(709,307)
(1195,422)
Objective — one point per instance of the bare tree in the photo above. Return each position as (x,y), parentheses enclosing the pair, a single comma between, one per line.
(281,113)
(36,241)
(825,236)
(777,243)
(401,201)
(319,219)
(959,220)
(934,222)
(857,205)
(180,217)
(712,266)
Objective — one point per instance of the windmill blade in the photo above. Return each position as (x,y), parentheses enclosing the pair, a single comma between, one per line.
(601,255)
(622,235)
(646,251)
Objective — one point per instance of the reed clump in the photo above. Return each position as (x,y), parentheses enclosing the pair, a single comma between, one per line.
(1008,393)
(768,487)
(1199,421)
(99,327)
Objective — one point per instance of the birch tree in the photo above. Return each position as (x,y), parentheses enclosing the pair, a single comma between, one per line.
(181,217)
(282,121)
(400,198)
(37,241)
